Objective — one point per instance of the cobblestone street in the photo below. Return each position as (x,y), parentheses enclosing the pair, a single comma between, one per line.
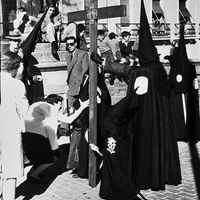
(63,187)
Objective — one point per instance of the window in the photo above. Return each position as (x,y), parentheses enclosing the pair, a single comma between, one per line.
(157,10)
(184,15)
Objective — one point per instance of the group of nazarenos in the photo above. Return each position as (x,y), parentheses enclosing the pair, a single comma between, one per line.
(136,137)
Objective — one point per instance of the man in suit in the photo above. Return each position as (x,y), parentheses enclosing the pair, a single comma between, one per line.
(77,65)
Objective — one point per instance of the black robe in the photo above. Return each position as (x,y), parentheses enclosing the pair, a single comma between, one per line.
(183,81)
(118,178)
(176,101)
(83,163)
(154,146)
(192,133)
(184,97)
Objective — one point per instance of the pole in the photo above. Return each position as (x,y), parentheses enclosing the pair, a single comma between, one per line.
(92,14)
(184,107)
(1,20)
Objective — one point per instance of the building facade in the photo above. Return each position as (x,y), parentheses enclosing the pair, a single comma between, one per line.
(165,17)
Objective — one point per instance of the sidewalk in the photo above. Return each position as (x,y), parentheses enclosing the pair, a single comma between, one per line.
(63,187)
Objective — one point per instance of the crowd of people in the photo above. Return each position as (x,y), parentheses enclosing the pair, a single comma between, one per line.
(135,137)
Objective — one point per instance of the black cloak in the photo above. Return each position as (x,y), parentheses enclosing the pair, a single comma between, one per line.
(155,147)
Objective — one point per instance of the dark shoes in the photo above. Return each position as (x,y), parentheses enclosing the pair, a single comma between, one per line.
(54,49)
(40,180)
(112,79)
(96,58)
(75,176)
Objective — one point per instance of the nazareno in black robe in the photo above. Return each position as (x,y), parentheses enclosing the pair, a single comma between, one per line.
(155,148)
(184,97)
(118,177)
(83,163)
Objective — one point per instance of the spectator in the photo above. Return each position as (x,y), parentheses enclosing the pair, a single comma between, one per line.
(77,65)
(49,27)
(11,18)
(103,44)
(52,24)
(40,139)
(34,80)
(13,108)
(69,30)
(81,41)
(106,32)
(24,23)
(174,48)
(126,48)
(114,43)
(136,45)
(14,41)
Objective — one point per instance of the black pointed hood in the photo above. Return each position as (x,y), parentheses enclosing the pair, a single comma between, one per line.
(147,50)
(183,65)
(29,44)
(182,52)
(148,55)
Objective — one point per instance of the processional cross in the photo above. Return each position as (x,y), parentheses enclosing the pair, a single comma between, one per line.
(93,14)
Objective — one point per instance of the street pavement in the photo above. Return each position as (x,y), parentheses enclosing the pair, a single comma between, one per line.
(62,186)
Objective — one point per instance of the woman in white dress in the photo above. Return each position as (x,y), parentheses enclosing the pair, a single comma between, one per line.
(13,107)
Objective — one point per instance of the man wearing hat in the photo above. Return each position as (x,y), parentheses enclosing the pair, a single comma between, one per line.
(14,41)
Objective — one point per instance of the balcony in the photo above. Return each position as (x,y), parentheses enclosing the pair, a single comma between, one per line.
(131,27)
(189,29)
(161,30)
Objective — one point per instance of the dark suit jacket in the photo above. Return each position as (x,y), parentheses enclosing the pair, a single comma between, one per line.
(76,69)
(125,50)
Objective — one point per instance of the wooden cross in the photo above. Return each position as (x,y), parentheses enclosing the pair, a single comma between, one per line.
(93,14)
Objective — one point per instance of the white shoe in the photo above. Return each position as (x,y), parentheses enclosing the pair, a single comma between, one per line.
(123,60)
(131,62)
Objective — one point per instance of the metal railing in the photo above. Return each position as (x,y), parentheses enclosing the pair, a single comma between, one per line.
(160,30)
(189,29)
(163,30)
(131,27)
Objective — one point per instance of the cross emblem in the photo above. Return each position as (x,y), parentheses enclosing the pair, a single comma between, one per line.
(92,14)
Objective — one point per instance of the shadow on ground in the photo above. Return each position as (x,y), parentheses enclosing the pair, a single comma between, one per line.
(195,161)
(30,189)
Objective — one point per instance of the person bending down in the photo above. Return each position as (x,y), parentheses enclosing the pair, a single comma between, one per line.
(40,138)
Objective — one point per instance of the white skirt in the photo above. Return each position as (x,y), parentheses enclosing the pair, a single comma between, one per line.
(12,157)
